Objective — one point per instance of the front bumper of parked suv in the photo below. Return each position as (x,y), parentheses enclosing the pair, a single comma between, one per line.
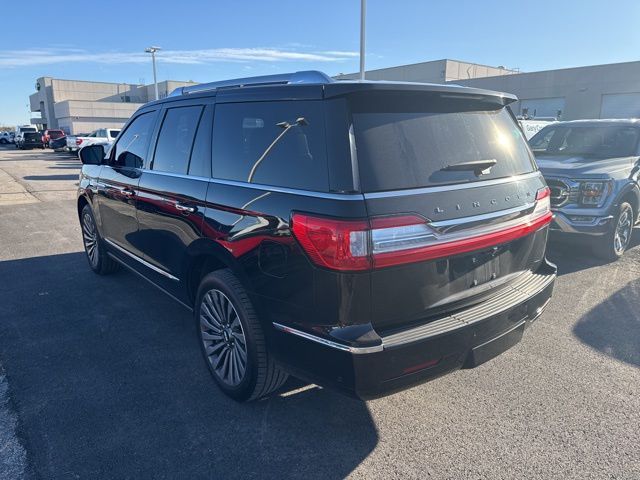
(403,358)
(581,222)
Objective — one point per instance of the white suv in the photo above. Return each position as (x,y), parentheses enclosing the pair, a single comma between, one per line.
(6,137)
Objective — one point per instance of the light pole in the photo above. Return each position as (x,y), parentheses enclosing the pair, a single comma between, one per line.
(152,51)
(363,14)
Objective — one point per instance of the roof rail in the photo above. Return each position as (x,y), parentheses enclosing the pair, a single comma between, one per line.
(306,76)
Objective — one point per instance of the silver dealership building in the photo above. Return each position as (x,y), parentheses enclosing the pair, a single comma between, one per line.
(597,91)
(79,106)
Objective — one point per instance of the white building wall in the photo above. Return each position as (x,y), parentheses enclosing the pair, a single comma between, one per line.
(80,106)
(437,71)
(582,88)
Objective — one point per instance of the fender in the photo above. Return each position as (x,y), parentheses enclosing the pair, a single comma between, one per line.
(88,190)
(632,188)
(211,248)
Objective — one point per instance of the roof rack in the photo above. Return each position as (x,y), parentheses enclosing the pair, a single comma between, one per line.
(306,76)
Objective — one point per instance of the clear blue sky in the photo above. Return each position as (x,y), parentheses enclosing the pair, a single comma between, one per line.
(209,40)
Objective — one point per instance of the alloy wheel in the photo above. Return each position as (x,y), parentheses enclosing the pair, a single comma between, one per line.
(223,337)
(90,239)
(623,231)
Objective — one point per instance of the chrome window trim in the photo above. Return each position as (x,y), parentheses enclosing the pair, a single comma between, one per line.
(293,191)
(143,262)
(177,175)
(448,188)
(350,196)
(259,186)
(328,343)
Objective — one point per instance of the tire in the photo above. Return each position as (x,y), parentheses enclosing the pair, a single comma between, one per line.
(615,242)
(97,256)
(225,318)
(3,141)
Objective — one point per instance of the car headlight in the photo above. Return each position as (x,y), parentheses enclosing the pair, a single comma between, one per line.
(594,193)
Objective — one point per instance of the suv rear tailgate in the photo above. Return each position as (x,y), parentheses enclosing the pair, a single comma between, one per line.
(427,288)
(417,158)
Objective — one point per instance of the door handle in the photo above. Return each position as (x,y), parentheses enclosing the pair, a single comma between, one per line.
(128,192)
(186,208)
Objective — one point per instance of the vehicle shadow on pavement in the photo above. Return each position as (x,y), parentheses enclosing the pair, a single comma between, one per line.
(574,256)
(108,382)
(66,167)
(613,326)
(51,177)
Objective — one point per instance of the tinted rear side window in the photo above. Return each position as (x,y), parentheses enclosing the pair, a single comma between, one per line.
(271,143)
(409,149)
(176,139)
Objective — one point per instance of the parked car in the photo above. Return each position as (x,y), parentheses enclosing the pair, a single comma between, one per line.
(30,140)
(20,131)
(59,144)
(51,134)
(362,236)
(7,137)
(100,136)
(592,168)
(73,144)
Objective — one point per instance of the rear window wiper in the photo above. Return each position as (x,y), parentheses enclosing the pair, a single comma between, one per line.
(478,167)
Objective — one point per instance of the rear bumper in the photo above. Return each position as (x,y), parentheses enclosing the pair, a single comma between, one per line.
(405,358)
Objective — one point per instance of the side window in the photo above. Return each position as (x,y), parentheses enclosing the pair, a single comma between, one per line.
(131,148)
(200,163)
(176,139)
(541,141)
(271,143)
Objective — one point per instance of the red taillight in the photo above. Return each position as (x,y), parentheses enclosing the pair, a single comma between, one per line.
(78,141)
(543,193)
(335,244)
(395,240)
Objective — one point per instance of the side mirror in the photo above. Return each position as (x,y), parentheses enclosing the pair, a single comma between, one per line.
(92,155)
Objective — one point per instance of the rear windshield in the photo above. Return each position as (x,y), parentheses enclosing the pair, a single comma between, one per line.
(587,141)
(410,148)
(55,134)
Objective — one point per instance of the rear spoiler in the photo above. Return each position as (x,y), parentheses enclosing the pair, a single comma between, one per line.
(337,89)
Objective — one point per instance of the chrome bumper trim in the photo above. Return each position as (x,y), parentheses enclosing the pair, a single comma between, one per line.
(328,343)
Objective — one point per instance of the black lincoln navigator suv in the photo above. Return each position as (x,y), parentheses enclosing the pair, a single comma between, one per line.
(364,236)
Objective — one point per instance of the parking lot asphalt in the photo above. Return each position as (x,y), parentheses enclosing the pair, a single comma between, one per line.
(102,377)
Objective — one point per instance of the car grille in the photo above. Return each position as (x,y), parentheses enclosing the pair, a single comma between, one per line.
(561,192)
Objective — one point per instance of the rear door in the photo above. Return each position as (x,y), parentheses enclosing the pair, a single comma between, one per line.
(173,190)
(449,185)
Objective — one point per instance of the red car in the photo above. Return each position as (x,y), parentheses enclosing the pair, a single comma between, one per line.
(49,135)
